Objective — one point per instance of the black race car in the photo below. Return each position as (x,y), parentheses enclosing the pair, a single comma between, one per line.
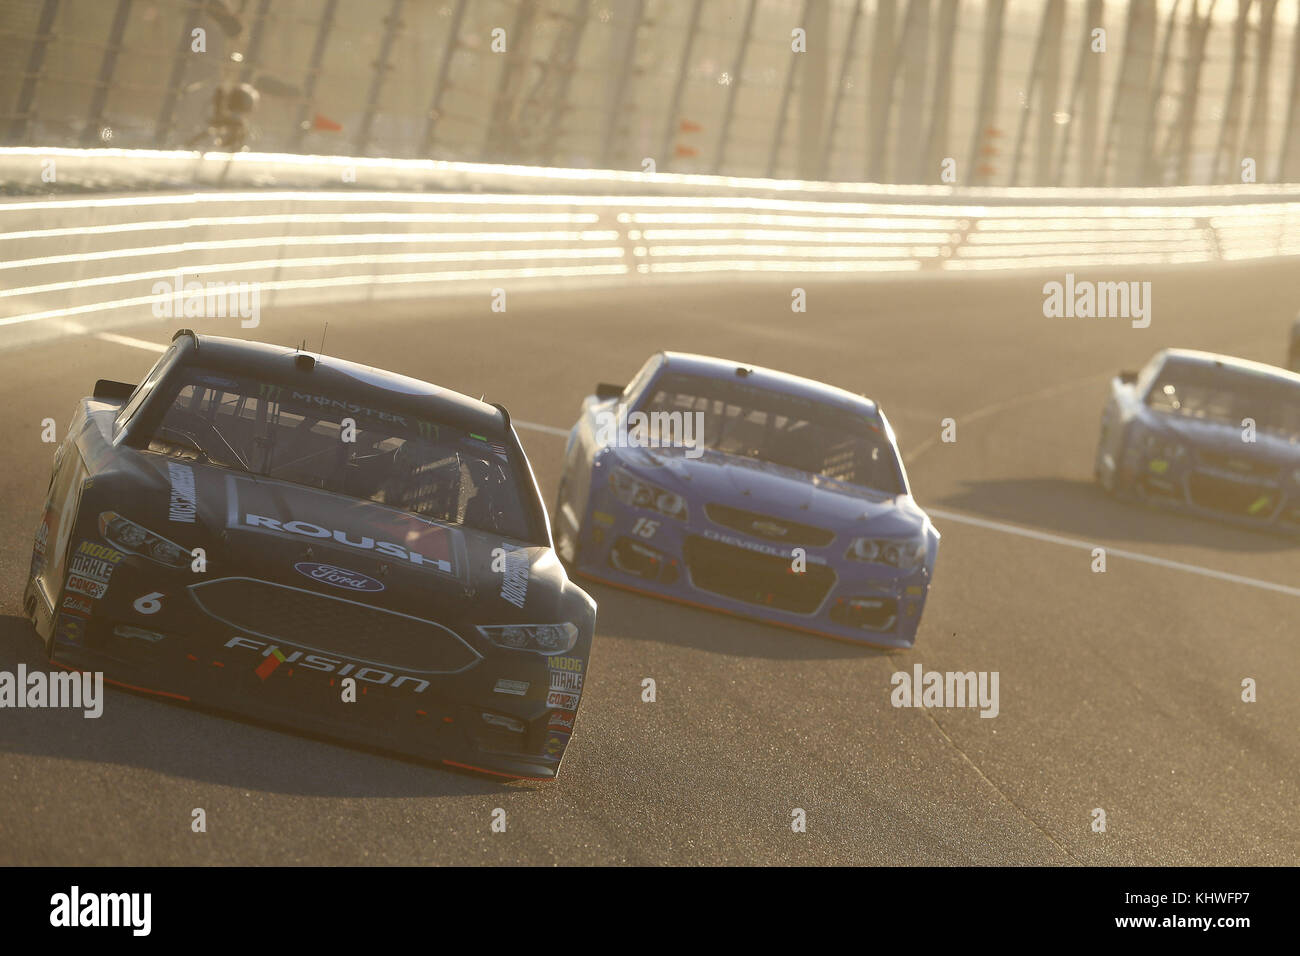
(317,544)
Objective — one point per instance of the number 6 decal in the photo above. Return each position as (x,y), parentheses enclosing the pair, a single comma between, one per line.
(149,603)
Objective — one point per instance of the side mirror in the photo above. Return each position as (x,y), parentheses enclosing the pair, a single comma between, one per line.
(1128,378)
(113,391)
(606,391)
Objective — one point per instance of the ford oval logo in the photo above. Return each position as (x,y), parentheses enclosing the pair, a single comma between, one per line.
(338,577)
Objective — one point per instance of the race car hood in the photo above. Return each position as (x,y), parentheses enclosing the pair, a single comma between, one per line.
(355,549)
(1222,437)
(774,490)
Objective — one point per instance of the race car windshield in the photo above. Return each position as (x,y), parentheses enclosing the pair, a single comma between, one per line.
(427,468)
(768,426)
(1228,396)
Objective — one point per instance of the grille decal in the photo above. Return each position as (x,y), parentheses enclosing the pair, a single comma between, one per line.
(414,644)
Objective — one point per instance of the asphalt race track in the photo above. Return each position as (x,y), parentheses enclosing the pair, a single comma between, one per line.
(1119,690)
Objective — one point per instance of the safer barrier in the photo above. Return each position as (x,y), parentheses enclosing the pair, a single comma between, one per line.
(96,260)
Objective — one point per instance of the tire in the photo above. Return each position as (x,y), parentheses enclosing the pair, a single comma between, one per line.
(559,537)
(29,609)
(1099,474)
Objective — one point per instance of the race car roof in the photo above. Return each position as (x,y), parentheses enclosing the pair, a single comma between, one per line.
(1215,360)
(328,374)
(807,388)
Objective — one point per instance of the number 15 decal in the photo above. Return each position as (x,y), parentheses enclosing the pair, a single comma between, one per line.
(645,527)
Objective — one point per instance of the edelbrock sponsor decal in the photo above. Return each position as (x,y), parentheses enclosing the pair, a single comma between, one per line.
(338,577)
(77,605)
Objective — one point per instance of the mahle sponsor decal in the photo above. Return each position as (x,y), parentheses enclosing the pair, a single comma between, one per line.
(92,568)
(567,681)
(338,577)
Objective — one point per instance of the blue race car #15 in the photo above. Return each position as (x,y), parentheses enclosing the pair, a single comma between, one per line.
(1209,434)
(318,544)
(748,491)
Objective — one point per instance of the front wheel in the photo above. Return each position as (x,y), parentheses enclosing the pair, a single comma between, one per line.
(29,609)
(566,542)
(1105,477)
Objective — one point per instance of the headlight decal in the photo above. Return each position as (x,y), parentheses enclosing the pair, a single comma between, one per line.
(125,534)
(907,554)
(634,492)
(544,639)
(1163,449)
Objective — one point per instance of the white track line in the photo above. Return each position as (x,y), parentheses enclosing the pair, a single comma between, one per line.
(920,449)
(1120,552)
(544,429)
(133,343)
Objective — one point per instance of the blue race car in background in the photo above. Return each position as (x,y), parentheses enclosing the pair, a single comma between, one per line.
(748,491)
(1209,434)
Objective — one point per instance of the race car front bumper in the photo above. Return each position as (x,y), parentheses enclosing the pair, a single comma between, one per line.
(696,564)
(475,720)
(1250,495)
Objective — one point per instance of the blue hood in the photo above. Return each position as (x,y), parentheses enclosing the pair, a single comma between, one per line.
(774,490)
